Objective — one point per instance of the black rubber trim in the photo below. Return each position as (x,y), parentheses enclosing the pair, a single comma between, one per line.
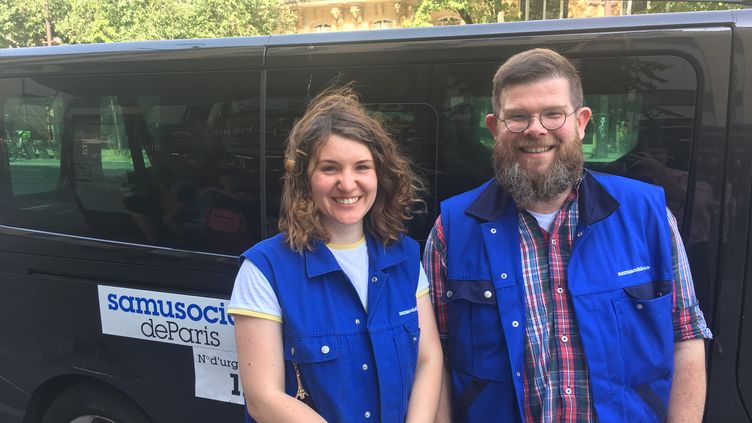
(652,400)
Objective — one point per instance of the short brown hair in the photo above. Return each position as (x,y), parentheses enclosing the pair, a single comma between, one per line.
(536,65)
(337,111)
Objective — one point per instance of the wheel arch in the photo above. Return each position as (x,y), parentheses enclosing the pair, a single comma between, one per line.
(53,388)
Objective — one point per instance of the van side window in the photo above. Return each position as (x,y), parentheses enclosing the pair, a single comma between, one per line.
(150,159)
(31,134)
(395,95)
(642,125)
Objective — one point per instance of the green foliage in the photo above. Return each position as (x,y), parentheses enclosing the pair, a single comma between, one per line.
(689,6)
(22,22)
(470,11)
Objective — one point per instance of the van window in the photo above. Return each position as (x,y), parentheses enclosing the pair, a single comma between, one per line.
(167,160)
(642,124)
(394,95)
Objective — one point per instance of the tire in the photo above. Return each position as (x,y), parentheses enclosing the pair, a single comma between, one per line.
(90,402)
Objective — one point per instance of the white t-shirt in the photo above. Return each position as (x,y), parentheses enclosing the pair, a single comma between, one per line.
(545,220)
(253,295)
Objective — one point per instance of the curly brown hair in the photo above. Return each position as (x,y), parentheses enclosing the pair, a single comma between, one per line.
(337,111)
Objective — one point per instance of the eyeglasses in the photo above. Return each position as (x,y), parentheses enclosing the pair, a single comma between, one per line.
(551,119)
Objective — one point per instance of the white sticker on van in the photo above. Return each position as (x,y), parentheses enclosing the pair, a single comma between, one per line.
(162,317)
(217,375)
(198,322)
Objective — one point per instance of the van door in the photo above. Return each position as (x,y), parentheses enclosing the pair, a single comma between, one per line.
(732,355)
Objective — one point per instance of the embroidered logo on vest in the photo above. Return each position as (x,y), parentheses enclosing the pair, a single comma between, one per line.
(412,310)
(635,270)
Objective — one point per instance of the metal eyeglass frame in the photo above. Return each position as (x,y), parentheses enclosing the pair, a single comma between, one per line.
(540,119)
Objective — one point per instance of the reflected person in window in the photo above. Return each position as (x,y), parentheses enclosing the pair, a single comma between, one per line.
(334,310)
(562,295)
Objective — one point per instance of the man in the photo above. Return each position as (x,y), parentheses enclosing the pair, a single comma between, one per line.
(563,295)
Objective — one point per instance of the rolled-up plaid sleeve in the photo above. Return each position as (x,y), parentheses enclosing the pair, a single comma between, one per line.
(434,262)
(689,322)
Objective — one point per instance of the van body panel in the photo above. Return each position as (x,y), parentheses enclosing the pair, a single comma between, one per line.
(730,351)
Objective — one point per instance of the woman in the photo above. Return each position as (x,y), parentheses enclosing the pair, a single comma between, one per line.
(333,310)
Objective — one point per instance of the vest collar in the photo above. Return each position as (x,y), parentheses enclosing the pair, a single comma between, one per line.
(321,261)
(594,202)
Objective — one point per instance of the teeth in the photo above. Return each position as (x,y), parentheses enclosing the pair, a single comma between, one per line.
(536,149)
(347,201)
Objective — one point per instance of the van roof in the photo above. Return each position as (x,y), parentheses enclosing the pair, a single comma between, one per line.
(579,25)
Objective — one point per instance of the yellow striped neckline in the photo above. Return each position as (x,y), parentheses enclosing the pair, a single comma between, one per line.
(357,243)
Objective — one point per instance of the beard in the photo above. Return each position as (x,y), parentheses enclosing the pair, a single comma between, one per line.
(528,187)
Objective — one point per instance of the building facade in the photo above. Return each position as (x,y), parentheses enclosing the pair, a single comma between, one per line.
(333,15)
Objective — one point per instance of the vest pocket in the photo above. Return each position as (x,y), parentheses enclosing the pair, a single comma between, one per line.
(478,346)
(317,358)
(311,349)
(406,341)
(646,331)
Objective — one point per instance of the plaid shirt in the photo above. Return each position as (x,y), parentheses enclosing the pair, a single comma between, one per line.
(556,382)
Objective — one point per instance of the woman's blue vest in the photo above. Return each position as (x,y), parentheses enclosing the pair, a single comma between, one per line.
(356,365)
(620,281)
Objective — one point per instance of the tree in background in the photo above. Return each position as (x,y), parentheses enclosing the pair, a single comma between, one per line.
(22,22)
(685,6)
(470,11)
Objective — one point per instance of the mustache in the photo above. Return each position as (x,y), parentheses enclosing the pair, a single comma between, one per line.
(536,142)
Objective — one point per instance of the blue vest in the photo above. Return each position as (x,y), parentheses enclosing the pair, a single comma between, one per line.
(355,365)
(619,278)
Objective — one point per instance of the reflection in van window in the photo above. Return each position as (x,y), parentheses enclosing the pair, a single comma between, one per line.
(642,124)
(136,158)
(31,136)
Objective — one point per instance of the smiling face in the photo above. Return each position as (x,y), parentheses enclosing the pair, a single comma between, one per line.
(538,164)
(343,186)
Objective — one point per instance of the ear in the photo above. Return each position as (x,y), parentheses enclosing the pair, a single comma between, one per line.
(492,124)
(583,117)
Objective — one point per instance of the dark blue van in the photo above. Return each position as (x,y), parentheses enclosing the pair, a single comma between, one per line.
(132,174)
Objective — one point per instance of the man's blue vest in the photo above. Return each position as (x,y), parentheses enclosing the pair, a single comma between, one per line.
(356,365)
(620,281)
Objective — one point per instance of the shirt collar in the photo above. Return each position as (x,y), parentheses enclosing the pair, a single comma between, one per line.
(320,260)
(593,201)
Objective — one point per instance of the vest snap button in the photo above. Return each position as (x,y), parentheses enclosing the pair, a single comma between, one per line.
(364,366)
(503,275)
(357,321)
(374,279)
(579,234)
(493,230)
(639,306)
(325,349)
(449,294)
(367,414)
(488,294)
(515,324)
(415,339)
(292,351)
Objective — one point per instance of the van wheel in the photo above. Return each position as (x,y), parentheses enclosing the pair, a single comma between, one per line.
(93,403)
